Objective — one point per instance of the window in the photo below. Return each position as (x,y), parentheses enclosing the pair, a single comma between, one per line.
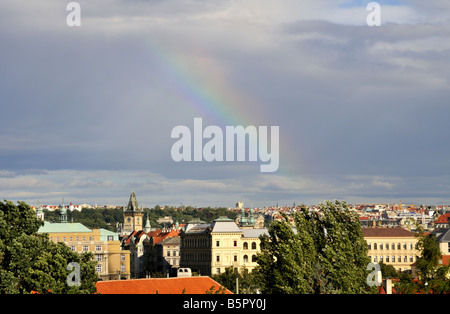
(174,253)
(411,258)
(404,245)
(245,259)
(399,259)
(98,247)
(387,259)
(98,268)
(122,257)
(235,243)
(122,267)
(398,246)
(381,246)
(70,239)
(168,253)
(218,270)
(405,258)
(254,258)
(84,238)
(217,243)
(85,248)
(253,245)
(110,238)
(64,239)
(369,246)
(235,258)
(410,246)
(98,257)
(374,246)
(393,246)
(218,258)
(72,248)
(245,246)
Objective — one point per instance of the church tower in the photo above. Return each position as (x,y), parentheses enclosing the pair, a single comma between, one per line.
(132,216)
(39,212)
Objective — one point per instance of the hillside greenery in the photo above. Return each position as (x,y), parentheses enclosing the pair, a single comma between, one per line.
(107,218)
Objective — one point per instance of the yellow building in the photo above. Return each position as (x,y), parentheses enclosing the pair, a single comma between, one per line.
(209,248)
(392,246)
(112,261)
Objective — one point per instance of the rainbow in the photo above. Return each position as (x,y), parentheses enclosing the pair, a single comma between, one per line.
(202,85)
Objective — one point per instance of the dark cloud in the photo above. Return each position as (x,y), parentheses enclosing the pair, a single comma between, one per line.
(350,100)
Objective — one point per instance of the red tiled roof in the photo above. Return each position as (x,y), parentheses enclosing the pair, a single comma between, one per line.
(176,285)
(445,259)
(386,232)
(443,219)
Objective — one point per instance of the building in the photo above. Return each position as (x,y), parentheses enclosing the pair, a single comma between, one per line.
(443,221)
(392,246)
(443,238)
(176,285)
(132,216)
(169,255)
(209,248)
(250,220)
(112,261)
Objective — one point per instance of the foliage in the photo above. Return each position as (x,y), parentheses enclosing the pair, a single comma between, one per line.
(248,282)
(432,274)
(30,262)
(323,253)
(108,218)
(388,271)
(213,290)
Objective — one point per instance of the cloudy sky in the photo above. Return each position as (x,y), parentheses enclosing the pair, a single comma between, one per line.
(87,112)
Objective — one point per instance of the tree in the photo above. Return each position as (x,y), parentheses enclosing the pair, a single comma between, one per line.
(30,262)
(325,252)
(432,274)
(246,280)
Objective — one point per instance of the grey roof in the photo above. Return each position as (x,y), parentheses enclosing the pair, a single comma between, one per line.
(132,203)
(171,241)
(254,233)
(197,228)
(442,235)
(224,226)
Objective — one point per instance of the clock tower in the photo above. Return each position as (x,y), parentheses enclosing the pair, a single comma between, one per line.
(132,216)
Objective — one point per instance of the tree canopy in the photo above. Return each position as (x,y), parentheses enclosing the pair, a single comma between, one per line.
(321,253)
(31,263)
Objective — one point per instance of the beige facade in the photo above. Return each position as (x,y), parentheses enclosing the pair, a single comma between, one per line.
(112,261)
(392,246)
(210,248)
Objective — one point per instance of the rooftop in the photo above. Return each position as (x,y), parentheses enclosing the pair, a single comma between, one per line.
(386,232)
(63,227)
(190,285)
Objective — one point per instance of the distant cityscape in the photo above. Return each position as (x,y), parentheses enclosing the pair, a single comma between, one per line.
(208,248)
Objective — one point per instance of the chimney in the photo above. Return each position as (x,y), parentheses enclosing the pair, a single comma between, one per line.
(388,286)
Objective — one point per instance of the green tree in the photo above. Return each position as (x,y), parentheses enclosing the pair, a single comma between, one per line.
(30,262)
(432,274)
(325,252)
(246,280)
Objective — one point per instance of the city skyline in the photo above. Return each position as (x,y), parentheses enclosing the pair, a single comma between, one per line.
(88,111)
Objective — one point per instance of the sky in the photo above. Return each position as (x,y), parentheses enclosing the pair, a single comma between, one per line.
(87,112)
